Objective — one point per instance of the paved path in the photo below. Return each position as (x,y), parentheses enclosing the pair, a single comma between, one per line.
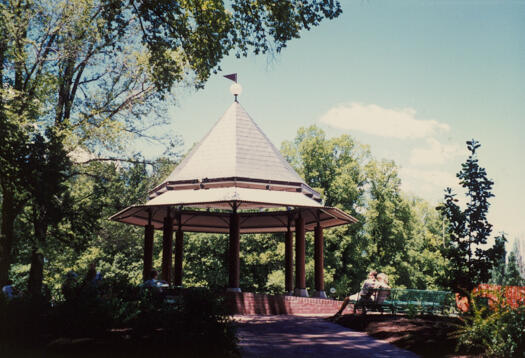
(306,336)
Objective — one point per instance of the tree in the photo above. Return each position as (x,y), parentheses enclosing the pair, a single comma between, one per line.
(394,234)
(47,169)
(507,272)
(422,262)
(470,262)
(518,251)
(84,235)
(512,273)
(388,214)
(336,168)
(98,71)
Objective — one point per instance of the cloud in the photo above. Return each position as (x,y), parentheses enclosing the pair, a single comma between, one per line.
(379,121)
(439,178)
(429,184)
(435,153)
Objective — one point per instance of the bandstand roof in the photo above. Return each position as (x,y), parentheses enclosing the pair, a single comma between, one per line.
(235,147)
(234,166)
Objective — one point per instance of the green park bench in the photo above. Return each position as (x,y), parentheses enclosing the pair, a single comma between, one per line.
(407,301)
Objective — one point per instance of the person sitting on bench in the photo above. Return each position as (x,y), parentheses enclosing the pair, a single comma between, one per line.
(384,292)
(153,282)
(364,295)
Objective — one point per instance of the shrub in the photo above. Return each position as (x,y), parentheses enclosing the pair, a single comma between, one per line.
(20,319)
(496,331)
(192,323)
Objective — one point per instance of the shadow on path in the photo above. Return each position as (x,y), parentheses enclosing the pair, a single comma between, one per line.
(302,336)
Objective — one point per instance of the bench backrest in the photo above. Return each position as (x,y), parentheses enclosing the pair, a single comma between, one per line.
(419,296)
(381,295)
(376,296)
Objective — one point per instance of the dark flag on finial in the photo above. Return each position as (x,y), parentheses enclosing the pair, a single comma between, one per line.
(232,77)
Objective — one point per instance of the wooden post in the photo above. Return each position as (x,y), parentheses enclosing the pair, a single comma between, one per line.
(319,262)
(300,278)
(288,259)
(148,251)
(179,247)
(167,245)
(234,248)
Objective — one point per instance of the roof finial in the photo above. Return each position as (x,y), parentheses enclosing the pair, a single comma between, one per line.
(235,89)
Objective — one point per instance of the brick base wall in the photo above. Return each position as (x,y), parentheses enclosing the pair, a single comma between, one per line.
(258,303)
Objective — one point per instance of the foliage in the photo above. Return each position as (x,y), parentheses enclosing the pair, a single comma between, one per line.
(99,72)
(194,323)
(335,168)
(388,221)
(85,236)
(469,229)
(412,311)
(512,273)
(395,234)
(418,262)
(498,331)
(261,255)
(507,272)
(205,261)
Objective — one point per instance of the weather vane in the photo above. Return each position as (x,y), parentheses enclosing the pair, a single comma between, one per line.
(235,88)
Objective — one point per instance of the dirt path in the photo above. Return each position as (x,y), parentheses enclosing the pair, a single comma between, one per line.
(302,336)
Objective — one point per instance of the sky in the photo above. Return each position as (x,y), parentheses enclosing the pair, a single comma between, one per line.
(413,79)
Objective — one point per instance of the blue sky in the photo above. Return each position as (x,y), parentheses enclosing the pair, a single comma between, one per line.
(413,79)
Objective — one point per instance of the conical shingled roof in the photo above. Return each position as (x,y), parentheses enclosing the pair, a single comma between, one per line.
(235,167)
(235,147)
(233,153)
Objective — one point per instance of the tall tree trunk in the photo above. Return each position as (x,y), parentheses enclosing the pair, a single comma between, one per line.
(6,236)
(10,210)
(36,272)
(6,233)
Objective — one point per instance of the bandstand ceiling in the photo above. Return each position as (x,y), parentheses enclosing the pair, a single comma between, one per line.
(219,221)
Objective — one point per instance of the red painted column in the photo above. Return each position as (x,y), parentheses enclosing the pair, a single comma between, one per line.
(179,250)
(148,251)
(234,248)
(300,278)
(319,262)
(288,260)
(167,245)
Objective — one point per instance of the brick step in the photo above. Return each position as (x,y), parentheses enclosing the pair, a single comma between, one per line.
(258,303)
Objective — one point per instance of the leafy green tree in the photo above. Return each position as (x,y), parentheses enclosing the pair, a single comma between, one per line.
(388,214)
(423,263)
(336,168)
(261,256)
(512,273)
(507,271)
(13,195)
(519,249)
(498,271)
(403,234)
(46,172)
(97,71)
(205,258)
(469,262)
(395,234)
(85,236)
